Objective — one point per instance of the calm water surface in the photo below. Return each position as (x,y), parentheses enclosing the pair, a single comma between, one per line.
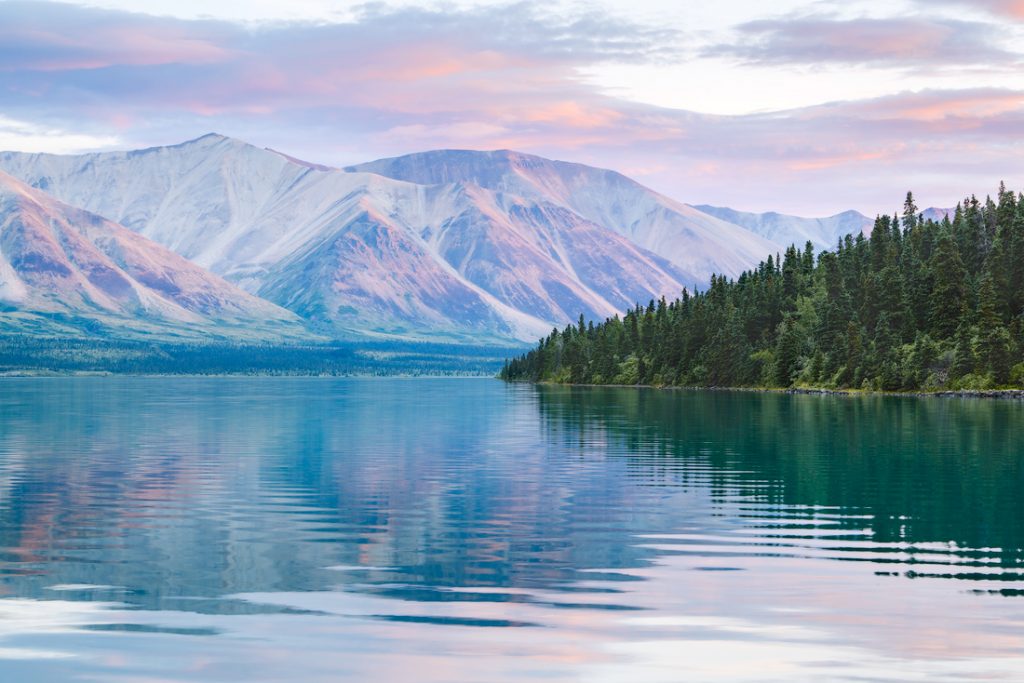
(467,530)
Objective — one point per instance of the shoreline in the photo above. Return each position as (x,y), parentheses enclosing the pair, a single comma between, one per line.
(1006,394)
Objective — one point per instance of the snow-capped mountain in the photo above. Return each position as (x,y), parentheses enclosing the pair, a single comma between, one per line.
(62,268)
(696,243)
(357,252)
(452,243)
(823,233)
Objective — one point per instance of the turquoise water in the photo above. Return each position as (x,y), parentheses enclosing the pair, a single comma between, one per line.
(294,529)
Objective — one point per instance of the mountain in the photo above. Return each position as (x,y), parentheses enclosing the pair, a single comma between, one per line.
(63,269)
(696,243)
(356,252)
(823,233)
(937,215)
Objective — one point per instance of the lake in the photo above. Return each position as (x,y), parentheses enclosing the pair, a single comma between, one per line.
(307,529)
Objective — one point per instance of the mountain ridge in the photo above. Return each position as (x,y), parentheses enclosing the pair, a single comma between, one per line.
(60,262)
(823,232)
(261,220)
(699,244)
(456,243)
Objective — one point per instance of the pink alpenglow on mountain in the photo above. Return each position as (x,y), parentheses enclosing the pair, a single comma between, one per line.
(60,261)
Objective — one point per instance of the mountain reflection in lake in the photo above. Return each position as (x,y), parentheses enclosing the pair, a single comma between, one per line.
(230,529)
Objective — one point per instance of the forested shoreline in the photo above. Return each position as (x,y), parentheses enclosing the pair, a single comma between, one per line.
(919,305)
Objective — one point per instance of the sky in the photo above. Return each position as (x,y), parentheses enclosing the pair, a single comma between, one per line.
(803,107)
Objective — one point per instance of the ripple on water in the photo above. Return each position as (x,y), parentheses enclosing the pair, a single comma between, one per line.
(321,530)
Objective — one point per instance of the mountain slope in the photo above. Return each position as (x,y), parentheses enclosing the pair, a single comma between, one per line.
(696,243)
(62,268)
(823,233)
(357,252)
(936,214)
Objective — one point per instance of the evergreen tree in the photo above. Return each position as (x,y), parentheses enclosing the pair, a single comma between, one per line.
(949,293)
(787,353)
(919,303)
(963,359)
(727,358)
(909,212)
(993,337)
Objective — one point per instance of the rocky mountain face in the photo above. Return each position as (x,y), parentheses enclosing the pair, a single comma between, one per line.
(938,215)
(360,253)
(451,244)
(62,268)
(698,244)
(823,233)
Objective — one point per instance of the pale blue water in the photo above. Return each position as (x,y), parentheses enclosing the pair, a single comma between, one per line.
(466,530)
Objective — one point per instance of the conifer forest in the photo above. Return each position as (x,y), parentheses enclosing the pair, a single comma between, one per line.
(916,305)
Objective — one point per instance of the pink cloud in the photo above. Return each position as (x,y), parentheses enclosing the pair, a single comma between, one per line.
(1008,8)
(1013,8)
(106,46)
(402,81)
(851,157)
(916,42)
(574,114)
(413,62)
(936,106)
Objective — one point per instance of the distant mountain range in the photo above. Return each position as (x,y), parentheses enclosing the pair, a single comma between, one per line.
(934,214)
(823,233)
(446,244)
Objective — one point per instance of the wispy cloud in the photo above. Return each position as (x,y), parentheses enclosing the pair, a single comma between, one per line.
(41,36)
(504,59)
(392,80)
(25,135)
(914,41)
(47,35)
(1006,8)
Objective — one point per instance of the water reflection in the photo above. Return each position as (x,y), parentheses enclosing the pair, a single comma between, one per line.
(307,529)
(905,478)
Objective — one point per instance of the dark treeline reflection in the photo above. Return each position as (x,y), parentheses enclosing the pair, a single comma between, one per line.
(912,470)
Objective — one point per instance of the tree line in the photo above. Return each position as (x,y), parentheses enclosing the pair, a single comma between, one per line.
(917,305)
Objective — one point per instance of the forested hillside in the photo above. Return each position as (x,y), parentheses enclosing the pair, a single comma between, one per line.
(919,304)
